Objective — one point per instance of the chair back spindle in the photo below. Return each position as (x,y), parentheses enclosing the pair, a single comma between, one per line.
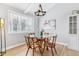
(54,39)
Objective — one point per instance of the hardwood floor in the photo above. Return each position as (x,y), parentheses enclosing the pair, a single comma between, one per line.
(61,51)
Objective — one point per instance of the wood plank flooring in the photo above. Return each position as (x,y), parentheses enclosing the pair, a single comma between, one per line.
(61,51)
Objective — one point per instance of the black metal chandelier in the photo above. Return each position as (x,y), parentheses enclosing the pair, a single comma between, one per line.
(40,11)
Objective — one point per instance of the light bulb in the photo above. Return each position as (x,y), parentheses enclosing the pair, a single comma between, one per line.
(1,23)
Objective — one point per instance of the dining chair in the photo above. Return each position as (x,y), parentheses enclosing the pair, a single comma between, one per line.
(52,44)
(33,43)
(46,37)
(46,34)
(30,44)
(31,34)
(41,45)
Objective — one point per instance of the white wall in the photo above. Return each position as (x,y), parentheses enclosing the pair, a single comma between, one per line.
(11,39)
(61,12)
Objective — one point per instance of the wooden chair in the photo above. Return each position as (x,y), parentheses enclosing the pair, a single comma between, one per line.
(46,36)
(51,44)
(41,45)
(31,34)
(30,44)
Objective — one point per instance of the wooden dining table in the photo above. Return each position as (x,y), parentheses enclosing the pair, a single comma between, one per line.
(41,42)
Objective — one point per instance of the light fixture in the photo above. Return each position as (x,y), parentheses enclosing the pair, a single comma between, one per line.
(2,37)
(40,11)
(1,23)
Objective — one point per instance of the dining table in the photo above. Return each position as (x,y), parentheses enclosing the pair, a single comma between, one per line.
(41,42)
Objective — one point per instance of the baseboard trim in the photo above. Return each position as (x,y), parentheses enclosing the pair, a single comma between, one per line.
(65,45)
(16,45)
(73,49)
(60,43)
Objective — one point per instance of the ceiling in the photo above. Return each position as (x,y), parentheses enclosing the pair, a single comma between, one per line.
(31,7)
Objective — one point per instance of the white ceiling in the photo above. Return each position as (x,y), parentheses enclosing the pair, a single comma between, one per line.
(20,6)
(31,7)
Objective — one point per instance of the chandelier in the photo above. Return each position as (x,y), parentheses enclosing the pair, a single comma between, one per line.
(40,11)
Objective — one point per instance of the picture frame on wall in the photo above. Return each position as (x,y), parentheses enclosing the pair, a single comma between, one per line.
(50,24)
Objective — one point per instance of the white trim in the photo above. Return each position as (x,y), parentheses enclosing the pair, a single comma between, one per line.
(73,48)
(60,43)
(65,45)
(13,46)
(16,45)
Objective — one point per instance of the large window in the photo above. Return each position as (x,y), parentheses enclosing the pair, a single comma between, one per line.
(19,23)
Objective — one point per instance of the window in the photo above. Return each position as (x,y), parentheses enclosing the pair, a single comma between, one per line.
(73,25)
(19,23)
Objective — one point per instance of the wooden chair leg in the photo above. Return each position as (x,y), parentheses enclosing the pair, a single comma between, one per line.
(55,50)
(52,51)
(33,51)
(40,51)
(27,51)
(43,50)
(47,48)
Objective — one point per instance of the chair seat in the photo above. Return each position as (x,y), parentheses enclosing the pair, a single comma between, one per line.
(35,46)
(51,44)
